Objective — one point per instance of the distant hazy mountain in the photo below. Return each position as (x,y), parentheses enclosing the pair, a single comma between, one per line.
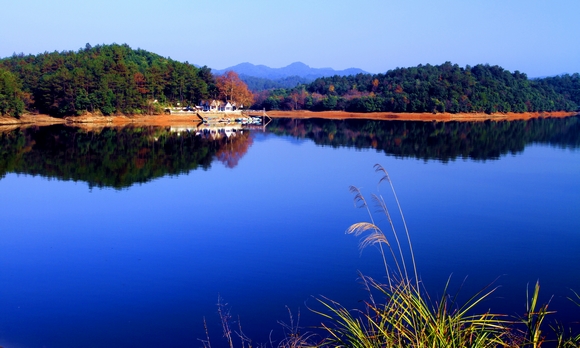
(295,69)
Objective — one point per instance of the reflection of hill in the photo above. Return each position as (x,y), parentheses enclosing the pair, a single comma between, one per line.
(111,157)
(442,141)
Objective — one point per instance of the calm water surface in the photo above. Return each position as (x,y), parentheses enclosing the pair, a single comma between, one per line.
(116,238)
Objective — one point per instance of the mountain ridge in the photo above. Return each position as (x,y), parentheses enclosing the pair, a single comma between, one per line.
(294,69)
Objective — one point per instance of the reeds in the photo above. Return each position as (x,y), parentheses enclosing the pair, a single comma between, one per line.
(405,319)
(293,336)
(400,313)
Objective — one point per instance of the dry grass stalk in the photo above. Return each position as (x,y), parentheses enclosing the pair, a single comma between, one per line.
(404,315)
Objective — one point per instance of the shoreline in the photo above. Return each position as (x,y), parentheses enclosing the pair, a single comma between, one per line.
(169,120)
(426,117)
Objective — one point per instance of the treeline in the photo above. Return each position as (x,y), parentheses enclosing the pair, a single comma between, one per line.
(115,79)
(105,79)
(427,88)
(256,84)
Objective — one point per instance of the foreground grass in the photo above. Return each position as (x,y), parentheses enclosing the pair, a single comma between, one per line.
(400,313)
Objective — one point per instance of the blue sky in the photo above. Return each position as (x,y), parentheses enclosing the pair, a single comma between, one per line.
(536,37)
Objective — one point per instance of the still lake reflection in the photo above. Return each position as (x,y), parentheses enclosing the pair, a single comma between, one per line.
(125,237)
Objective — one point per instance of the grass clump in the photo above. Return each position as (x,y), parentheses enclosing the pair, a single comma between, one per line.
(400,313)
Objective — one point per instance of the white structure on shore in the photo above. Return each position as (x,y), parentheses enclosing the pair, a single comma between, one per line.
(218,106)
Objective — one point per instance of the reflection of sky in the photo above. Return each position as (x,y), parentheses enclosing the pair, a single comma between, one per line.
(143,266)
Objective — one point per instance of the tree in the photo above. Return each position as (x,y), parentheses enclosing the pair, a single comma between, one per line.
(233,89)
(10,94)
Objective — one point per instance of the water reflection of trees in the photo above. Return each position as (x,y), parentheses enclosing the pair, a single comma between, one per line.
(442,141)
(113,157)
(119,158)
(233,150)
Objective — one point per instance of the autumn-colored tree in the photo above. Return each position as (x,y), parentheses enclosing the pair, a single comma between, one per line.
(375,85)
(233,89)
(140,83)
(298,98)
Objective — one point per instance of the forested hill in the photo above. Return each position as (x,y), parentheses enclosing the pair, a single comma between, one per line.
(110,79)
(428,88)
(103,79)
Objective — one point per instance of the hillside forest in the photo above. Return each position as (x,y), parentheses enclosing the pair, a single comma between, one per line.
(430,88)
(116,79)
(108,79)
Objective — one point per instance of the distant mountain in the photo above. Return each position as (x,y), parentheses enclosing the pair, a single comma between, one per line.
(295,69)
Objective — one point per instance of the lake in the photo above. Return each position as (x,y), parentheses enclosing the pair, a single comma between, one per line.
(126,237)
